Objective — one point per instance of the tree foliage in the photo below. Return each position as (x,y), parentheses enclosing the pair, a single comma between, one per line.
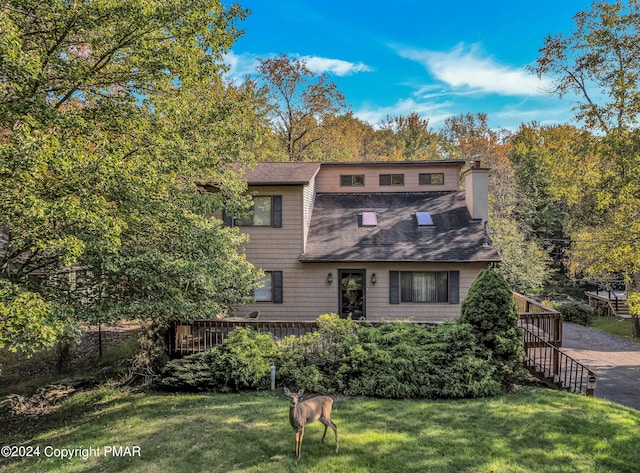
(598,64)
(468,137)
(490,309)
(346,138)
(411,137)
(304,103)
(524,264)
(111,112)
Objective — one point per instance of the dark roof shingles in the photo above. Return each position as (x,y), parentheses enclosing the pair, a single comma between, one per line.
(334,234)
(281,173)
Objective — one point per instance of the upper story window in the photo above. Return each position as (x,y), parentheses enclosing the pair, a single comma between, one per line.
(352,180)
(392,179)
(266,212)
(431,179)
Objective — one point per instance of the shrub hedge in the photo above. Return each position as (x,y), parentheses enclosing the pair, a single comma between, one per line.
(396,360)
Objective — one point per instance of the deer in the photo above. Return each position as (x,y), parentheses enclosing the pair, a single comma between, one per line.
(303,413)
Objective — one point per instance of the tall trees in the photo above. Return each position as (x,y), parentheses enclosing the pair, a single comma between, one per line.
(110,112)
(304,103)
(412,138)
(346,138)
(598,63)
(467,136)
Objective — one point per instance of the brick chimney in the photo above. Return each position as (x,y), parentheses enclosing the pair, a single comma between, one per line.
(476,184)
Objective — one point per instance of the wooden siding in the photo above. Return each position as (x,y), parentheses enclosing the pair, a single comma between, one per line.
(273,246)
(307,294)
(328,179)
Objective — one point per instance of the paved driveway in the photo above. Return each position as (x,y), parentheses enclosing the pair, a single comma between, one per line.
(615,361)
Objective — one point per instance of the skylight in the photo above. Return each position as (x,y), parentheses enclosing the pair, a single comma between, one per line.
(424,219)
(369,219)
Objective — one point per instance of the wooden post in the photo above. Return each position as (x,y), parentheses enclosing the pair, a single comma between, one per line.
(99,340)
(591,383)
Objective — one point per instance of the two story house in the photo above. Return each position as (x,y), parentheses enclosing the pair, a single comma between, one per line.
(374,240)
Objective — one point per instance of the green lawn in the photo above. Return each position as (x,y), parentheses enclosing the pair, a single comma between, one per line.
(615,326)
(536,430)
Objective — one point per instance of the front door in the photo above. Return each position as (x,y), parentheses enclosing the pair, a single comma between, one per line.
(352,293)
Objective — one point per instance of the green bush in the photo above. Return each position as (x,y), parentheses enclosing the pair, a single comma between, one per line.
(311,361)
(396,360)
(490,309)
(191,373)
(243,361)
(577,312)
(409,361)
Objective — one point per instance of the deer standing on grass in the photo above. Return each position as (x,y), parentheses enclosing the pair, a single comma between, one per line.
(303,413)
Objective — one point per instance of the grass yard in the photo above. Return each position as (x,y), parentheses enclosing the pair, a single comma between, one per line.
(536,430)
(615,326)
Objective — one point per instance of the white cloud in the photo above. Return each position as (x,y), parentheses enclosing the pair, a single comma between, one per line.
(470,68)
(240,65)
(335,66)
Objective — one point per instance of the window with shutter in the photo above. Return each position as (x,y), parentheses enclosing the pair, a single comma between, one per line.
(394,287)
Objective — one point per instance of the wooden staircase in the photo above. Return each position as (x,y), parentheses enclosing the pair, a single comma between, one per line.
(620,308)
(544,358)
(609,303)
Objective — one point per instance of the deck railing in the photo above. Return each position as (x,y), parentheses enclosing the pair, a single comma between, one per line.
(553,365)
(545,322)
(542,332)
(203,335)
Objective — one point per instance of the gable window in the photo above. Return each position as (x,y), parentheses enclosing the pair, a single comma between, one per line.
(431,179)
(424,286)
(270,289)
(266,212)
(352,180)
(392,179)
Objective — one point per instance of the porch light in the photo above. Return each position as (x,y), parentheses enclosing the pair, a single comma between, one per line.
(329,278)
(373,278)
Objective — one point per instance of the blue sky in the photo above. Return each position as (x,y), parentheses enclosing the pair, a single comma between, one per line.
(435,57)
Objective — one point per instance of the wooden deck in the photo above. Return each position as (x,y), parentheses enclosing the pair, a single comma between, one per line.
(203,335)
(545,323)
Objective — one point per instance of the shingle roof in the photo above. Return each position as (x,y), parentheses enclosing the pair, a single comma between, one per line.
(267,174)
(335,235)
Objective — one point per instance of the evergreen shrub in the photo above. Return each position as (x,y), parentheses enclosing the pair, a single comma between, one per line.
(402,360)
(396,360)
(310,362)
(241,362)
(490,309)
